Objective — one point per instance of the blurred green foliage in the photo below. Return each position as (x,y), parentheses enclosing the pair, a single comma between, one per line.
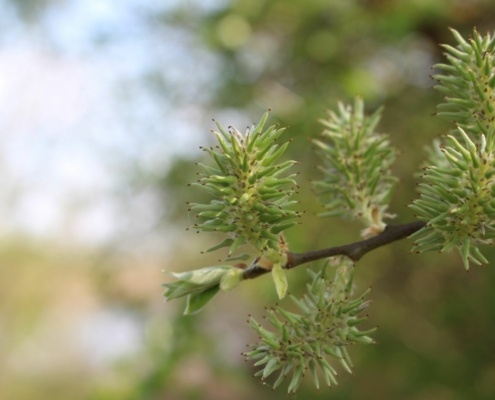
(298,57)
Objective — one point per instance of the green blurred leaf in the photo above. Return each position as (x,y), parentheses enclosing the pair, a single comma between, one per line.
(196,302)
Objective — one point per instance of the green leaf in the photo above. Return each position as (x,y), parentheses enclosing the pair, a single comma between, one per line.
(207,276)
(231,279)
(280,280)
(180,288)
(194,283)
(196,302)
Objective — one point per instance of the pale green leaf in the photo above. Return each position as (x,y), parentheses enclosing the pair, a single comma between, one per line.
(207,276)
(231,279)
(280,280)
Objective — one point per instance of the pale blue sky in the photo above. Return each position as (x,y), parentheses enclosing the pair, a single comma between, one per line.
(76,104)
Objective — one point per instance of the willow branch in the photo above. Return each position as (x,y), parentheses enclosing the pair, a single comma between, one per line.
(355,251)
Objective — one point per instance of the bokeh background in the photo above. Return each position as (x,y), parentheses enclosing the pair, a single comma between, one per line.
(103,105)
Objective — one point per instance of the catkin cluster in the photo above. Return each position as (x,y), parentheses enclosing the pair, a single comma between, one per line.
(251,200)
(324,326)
(457,191)
(357,182)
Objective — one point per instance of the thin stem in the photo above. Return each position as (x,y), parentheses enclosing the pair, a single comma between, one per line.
(355,251)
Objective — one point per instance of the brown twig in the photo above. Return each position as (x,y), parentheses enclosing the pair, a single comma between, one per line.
(355,251)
